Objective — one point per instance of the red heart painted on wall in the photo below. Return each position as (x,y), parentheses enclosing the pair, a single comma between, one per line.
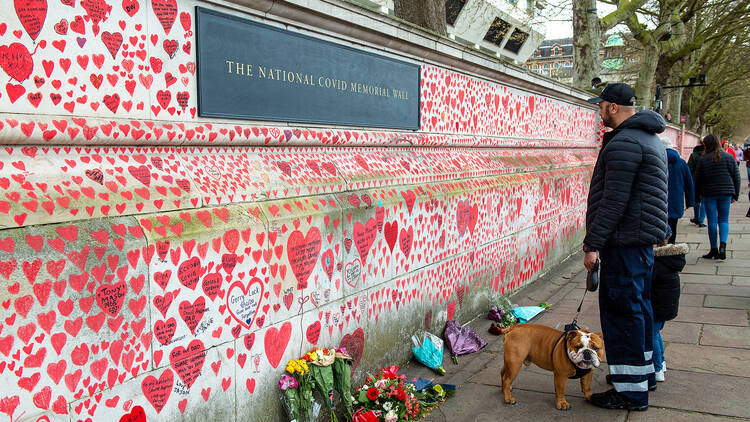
(355,346)
(112,41)
(188,362)
(31,13)
(135,415)
(243,301)
(275,342)
(166,12)
(302,252)
(157,390)
(16,61)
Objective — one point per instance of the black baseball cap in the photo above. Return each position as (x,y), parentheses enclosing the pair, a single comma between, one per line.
(617,93)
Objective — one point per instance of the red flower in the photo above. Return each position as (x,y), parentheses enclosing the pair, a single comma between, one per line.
(390,372)
(400,394)
(362,416)
(373,393)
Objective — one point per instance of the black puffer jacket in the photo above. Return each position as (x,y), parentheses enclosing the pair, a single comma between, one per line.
(717,179)
(695,156)
(627,204)
(669,260)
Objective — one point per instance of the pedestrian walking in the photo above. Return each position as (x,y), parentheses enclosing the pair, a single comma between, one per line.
(680,190)
(699,213)
(728,149)
(669,260)
(626,216)
(746,157)
(717,179)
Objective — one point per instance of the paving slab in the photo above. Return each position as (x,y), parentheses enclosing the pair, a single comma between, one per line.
(712,316)
(720,395)
(484,403)
(691,300)
(721,335)
(741,281)
(672,415)
(708,359)
(734,270)
(681,332)
(727,302)
(707,289)
(702,267)
(687,277)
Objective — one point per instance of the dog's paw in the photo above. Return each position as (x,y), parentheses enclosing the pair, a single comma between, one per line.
(563,405)
(511,401)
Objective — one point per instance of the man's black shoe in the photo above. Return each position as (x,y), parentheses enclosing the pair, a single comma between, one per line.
(695,221)
(701,225)
(608,378)
(613,400)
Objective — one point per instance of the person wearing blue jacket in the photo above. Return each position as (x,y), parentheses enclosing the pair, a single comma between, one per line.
(680,191)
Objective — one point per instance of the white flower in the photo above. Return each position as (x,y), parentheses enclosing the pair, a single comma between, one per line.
(391,416)
(387,405)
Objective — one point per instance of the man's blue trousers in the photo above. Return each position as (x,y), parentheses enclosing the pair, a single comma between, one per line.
(627,318)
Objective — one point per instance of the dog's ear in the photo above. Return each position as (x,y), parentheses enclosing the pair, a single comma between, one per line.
(570,335)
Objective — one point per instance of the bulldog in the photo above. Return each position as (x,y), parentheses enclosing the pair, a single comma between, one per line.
(569,354)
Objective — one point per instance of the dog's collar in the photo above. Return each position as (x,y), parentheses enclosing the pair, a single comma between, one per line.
(579,371)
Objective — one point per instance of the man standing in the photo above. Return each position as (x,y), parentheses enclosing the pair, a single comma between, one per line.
(626,216)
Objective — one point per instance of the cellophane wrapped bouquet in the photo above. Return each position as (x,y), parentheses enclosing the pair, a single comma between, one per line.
(324,370)
(386,397)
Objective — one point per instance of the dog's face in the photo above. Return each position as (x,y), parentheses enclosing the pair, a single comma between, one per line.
(585,349)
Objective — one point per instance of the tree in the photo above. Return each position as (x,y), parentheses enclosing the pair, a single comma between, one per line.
(428,14)
(724,103)
(681,27)
(587,30)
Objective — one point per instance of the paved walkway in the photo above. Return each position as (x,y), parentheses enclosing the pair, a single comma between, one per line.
(707,345)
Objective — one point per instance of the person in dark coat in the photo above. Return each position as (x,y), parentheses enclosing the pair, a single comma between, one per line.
(680,190)
(699,213)
(717,179)
(626,216)
(669,260)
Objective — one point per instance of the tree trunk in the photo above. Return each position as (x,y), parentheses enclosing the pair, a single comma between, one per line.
(428,14)
(646,76)
(586,44)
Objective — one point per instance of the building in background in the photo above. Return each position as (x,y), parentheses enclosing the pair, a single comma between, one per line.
(502,28)
(555,59)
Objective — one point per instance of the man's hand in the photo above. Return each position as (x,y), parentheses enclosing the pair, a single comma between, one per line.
(590,259)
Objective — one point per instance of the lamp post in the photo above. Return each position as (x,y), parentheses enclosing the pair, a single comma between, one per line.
(693,81)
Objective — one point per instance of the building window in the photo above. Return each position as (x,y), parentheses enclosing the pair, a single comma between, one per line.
(516,41)
(497,31)
(452,9)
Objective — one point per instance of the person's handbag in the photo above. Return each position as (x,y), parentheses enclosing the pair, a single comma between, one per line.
(592,279)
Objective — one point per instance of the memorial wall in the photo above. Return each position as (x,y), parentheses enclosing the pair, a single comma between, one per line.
(192,194)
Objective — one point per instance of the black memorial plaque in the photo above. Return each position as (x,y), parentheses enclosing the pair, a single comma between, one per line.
(250,70)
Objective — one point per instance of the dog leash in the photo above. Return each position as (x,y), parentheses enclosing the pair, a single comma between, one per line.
(592,283)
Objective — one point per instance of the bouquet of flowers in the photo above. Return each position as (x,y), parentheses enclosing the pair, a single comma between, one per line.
(325,370)
(290,396)
(386,398)
(502,315)
(301,373)
(322,373)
